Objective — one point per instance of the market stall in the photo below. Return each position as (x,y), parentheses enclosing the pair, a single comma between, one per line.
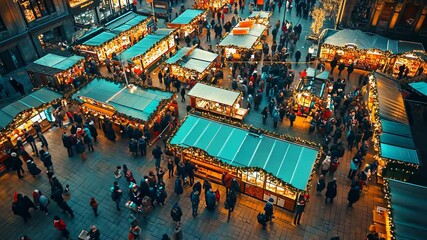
(393,143)
(147,53)
(191,63)
(416,61)
(261,17)
(218,101)
(211,4)
(310,91)
(131,25)
(19,116)
(244,38)
(55,71)
(188,21)
(266,165)
(126,104)
(102,45)
(405,206)
(367,51)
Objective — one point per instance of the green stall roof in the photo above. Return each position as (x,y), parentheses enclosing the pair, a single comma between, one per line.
(100,39)
(288,161)
(197,60)
(187,16)
(396,140)
(399,153)
(244,41)
(125,22)
(141,47)
(421,87)
(214,94)
(32,100)
(136,103)
(56,62)
(50,60)
(396,128)
(408,204)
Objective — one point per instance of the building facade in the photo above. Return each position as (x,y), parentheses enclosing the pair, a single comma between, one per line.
(399,19)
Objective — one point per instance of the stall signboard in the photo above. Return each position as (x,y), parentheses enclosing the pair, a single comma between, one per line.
(79,6)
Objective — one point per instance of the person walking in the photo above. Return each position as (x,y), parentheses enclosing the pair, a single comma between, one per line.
(68,144)
(46,158)
(350,70)
(320,184)
(297,56)
(292,118)
(170,167)
(341,68)
(157,153)
(20,206)
(142,145)
(331,190)
(268,210)
(16,164)
(264,114)
(94,233)
(183,94)
(161,194)
(353,195)
(299,209)
(81,148)
(333,63)
(354,166)
(133,147)
(176,214)
(116,194)
(210,199)
(40,135)
(59,224)
(178,188)
(30,139)
(195,200)
(41,201)
(94,205)
(230,203)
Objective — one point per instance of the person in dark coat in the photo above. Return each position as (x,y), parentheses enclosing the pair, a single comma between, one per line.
(133,147)
(195,200)
(46,158)
(68,143)
(268,210)
(297,56)
(299,209)
(320,184)
(178,188)
(157,154)
(21,205)
(93,131)
(210,200)
(16,164)
(30,139)
(333,65)
(350,70)
(331,190)
(32,168)
(341,68)
(353,195)
(176,214)
(161,194)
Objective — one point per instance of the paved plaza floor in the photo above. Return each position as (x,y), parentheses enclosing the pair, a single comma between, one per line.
(94,177)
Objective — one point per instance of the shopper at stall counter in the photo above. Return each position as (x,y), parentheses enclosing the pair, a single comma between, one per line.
(268,210)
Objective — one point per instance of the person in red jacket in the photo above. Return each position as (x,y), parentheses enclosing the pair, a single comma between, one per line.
(59,224)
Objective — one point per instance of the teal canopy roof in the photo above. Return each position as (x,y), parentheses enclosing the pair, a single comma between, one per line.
(408,204)
(187,16)
(125,22)
(197,60)
(292,163)
(244,41)
(100,39)
(51,64)
(421,87)
(32,100)
(142,47)
(215,94)
(138,103)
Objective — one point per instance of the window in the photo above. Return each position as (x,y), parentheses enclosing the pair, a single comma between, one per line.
(104,10)
(34,9)
(119,4)
(408,17)
(75,3)
(2,26)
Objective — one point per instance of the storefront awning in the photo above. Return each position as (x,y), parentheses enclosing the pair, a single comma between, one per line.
(135,102)
(420,87)
(287,161)
(125,22)
(100,39)
(408,205)
(217,95)
(390,99)
(187,16)
(244,41)
(145,44)
(32,100)
(402,154)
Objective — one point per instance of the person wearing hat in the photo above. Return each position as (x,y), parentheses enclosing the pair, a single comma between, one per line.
(94,233)
(16,164)
(59,224)
(268,209)
(195,200)
(32,168)
(176,214)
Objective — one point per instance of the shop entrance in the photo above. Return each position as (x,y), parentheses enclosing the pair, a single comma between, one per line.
(51,38)
(10,60)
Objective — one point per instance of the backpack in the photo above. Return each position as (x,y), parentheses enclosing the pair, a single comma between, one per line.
(261,218)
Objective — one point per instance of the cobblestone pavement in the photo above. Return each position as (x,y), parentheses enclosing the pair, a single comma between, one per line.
(94,177)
